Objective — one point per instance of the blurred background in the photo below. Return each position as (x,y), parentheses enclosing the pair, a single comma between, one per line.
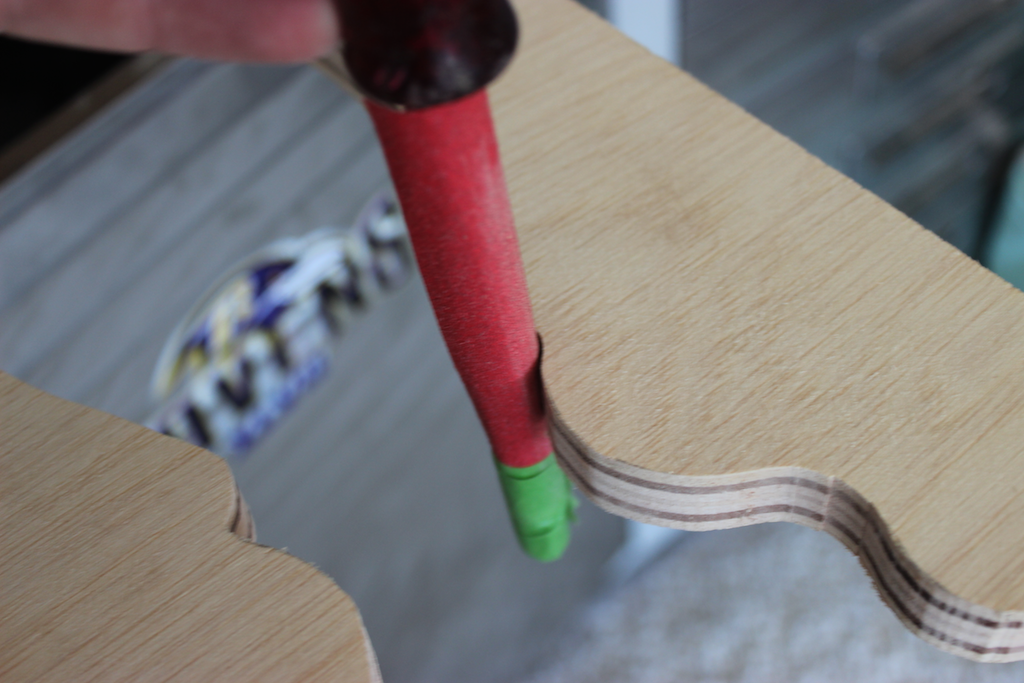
(129,187)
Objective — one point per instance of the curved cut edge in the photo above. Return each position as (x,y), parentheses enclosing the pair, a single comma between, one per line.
(106,522)
(800,496)
(242,523)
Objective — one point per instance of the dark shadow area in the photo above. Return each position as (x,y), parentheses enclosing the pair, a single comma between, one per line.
(37,79)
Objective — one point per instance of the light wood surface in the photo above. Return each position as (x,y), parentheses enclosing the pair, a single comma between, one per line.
(734,333)
(122,564)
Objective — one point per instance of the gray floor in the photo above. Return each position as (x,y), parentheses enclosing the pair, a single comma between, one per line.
(381,477)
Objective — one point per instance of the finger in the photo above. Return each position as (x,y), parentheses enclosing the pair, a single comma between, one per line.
(237,30)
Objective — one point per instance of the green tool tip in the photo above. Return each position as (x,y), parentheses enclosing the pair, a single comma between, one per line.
(541,505)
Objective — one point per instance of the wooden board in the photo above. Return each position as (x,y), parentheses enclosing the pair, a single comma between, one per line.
(734,333)
(118,563)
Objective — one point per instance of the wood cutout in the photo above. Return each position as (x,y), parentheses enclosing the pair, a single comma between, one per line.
(735,333)
(118,563)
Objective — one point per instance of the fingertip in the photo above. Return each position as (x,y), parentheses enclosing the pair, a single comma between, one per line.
(303,32)
(247,30)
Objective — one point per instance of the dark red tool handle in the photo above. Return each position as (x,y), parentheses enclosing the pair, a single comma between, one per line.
(412,54)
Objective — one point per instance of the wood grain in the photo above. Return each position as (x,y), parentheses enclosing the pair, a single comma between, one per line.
(117,563)
(734,333)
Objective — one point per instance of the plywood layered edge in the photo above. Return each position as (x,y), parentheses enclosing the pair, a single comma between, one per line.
(735,333)
(805,497)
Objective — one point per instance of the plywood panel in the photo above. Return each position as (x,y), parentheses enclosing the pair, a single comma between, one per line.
(122,564)
(734,333)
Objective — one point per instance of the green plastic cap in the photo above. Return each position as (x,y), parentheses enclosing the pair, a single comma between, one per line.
(541,505)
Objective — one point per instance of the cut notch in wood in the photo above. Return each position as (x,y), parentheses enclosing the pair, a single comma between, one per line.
(118,560)
(719,307)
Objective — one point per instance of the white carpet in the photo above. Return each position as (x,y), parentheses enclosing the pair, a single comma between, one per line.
(766,603)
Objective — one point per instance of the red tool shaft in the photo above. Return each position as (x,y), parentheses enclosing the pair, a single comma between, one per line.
(447,171)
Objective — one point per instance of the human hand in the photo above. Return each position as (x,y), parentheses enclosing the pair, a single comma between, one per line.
(234,30)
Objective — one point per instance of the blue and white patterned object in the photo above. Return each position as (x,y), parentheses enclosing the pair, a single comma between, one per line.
(262,336)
